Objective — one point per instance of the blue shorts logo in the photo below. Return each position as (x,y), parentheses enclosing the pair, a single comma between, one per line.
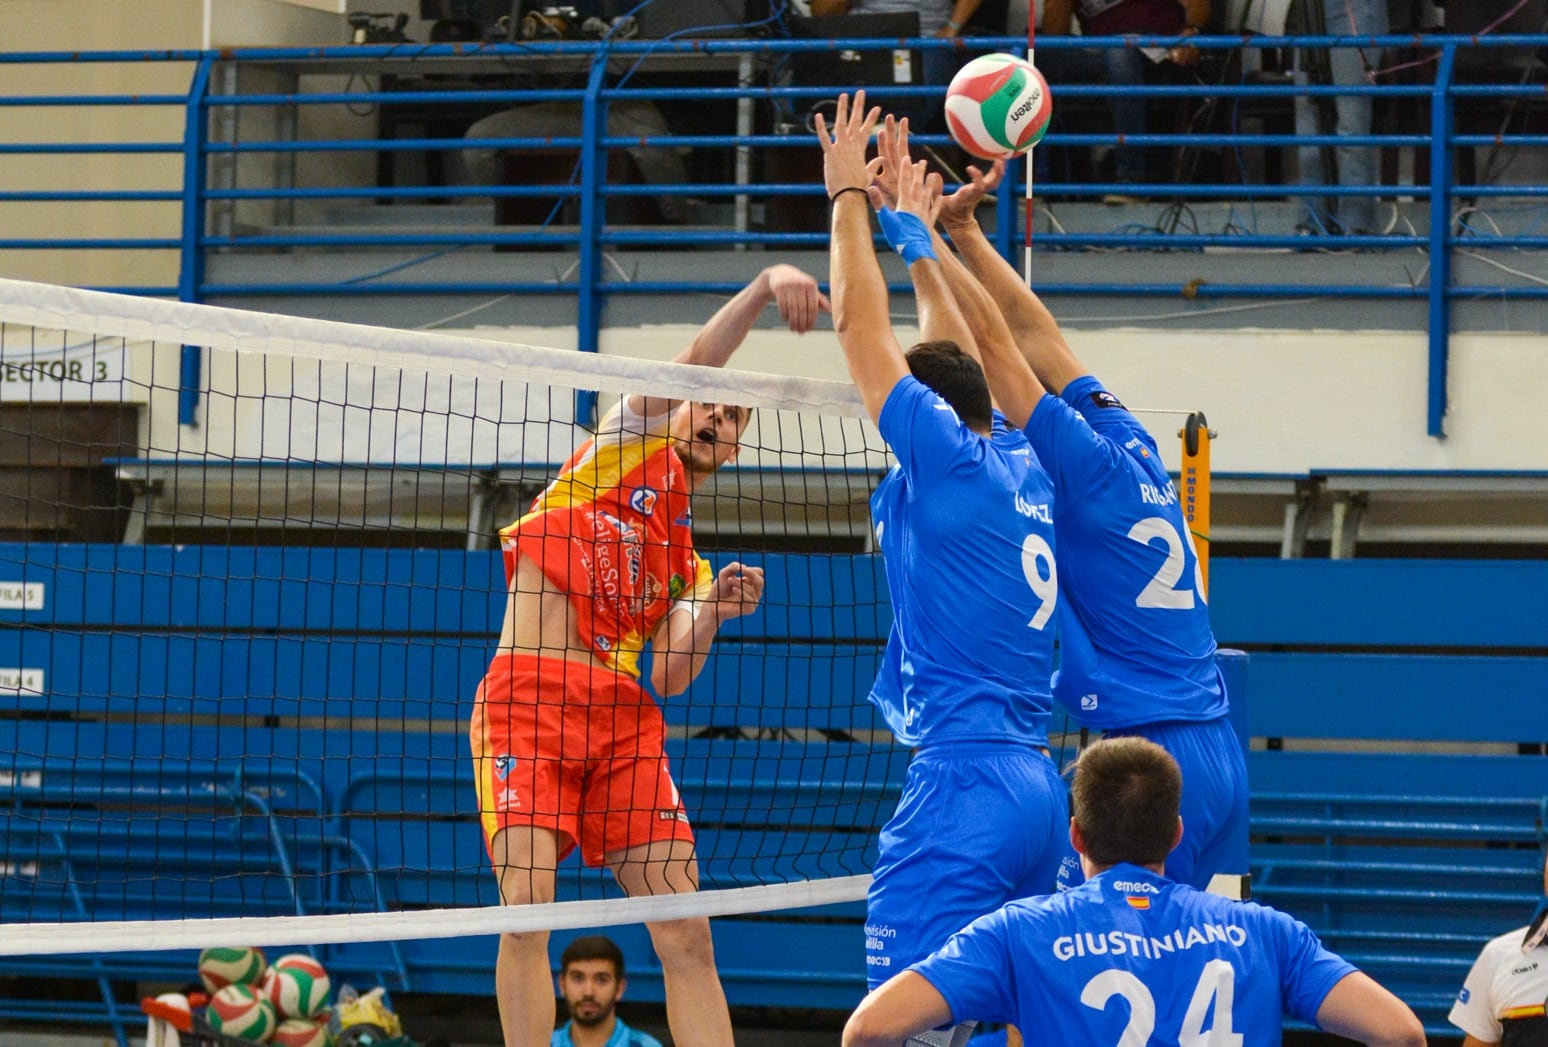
(503,766)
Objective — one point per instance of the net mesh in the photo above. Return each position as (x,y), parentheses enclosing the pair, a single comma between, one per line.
(249,584)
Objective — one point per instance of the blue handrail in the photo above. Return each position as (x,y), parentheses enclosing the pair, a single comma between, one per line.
(609,70)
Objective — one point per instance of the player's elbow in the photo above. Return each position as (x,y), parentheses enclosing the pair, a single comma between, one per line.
(664,682)
(1408,1032)
(865,1029)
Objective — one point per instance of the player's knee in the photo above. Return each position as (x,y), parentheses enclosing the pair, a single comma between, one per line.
(525,946)
(525,886)
(684,943)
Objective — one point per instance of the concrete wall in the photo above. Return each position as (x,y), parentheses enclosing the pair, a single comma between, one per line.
(1285,402)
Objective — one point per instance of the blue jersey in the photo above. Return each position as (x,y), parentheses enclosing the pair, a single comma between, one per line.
(1131,957)
(966,528)
(887,691)
(1135,640)
(623,1036)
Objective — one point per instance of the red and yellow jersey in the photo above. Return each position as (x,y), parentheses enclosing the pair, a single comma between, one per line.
(614,531)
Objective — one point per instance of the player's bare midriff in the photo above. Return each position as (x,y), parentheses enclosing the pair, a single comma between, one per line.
(540,620)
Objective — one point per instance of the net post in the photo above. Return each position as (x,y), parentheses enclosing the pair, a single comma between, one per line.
(1196,436)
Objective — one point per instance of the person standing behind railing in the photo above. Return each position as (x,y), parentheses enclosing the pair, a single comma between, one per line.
(944,18)
(1127,67)
(1344,115)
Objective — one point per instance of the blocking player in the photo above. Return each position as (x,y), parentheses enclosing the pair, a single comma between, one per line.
(965,528)
(567,744)
(1137,654)
(1131,956)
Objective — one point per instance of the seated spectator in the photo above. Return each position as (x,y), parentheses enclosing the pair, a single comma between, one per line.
(591,980)
(628,118)
(1123,66)
(1503,999)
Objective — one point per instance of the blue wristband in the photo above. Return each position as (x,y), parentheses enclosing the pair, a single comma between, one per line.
(906,234)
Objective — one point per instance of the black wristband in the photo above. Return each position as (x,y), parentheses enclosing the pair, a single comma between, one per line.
(847,189)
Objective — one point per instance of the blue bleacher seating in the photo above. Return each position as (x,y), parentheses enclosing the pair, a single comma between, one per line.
(307,707)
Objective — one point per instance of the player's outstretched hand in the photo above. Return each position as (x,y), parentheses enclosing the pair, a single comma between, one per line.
(957,207)
(737,590)
(919,192)
(797,295)
(843,149)
(892,151)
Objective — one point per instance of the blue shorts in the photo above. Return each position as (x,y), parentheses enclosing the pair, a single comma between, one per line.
(979,824)
(1214,801)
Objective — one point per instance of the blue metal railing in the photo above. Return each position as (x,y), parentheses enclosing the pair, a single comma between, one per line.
(764,127)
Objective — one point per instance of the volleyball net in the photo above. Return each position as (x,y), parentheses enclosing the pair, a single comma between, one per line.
(250,582)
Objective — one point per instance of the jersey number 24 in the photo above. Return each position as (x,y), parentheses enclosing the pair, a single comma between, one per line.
(1216,985)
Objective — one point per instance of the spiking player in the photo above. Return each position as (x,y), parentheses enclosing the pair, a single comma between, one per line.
(567,746)
(1137,654)
(965,528)
(1130,956)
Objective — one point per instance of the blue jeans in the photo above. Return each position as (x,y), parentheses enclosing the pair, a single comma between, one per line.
(1119,67)
(1353,165)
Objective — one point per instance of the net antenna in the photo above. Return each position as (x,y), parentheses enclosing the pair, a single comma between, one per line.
(1195,476)
(1026,253)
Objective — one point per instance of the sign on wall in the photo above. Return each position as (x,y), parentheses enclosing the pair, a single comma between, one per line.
(93,373)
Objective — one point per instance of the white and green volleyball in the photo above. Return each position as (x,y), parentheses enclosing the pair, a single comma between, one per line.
(237,1010)
(225,966)
(299,1032)
(998,106)
(297,985)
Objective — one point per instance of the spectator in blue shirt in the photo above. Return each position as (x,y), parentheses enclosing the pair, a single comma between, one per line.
(591,980)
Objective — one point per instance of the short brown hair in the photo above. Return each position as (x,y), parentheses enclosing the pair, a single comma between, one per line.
(593,947)
(1125,799)
(956,378)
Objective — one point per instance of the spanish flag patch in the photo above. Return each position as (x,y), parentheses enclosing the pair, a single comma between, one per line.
(1137,901)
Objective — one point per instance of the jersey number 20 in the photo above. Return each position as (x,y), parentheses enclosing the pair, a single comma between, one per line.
(1163,591)
(1216,985)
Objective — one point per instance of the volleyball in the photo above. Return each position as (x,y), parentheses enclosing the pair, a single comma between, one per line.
(221,967)
(297,985)
(298,1032)
(238,1010)
(173,1007)
(998,106)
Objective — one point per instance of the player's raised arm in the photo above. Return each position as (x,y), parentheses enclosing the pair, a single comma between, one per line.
(1016,390)
(794,292)
(1036,332)
(859,290)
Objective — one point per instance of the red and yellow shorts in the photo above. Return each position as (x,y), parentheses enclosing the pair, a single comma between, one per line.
(575,749)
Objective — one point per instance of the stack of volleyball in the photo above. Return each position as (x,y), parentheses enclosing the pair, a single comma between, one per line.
(284,1003)
(998,106)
